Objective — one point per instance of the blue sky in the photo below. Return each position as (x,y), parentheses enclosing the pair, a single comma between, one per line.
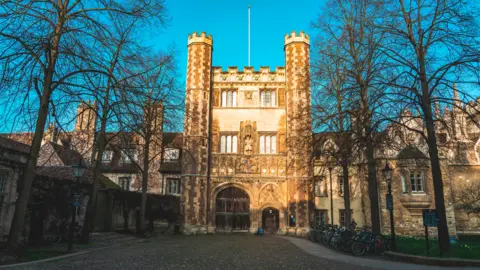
(226,21)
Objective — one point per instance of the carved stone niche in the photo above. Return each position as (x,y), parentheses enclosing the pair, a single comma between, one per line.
(248,137)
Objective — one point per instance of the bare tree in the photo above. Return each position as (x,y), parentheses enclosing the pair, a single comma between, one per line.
(349,27)
(331,115)
(153,92)
(431,44)
(41,40)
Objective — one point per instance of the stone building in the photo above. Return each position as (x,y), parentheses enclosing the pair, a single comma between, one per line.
(247,158)
(260,149)
(458,137)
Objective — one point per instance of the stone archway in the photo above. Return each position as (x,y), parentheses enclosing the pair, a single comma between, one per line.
(232,210)
(270,220)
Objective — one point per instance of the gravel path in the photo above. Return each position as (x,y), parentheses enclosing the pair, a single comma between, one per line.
(244,252)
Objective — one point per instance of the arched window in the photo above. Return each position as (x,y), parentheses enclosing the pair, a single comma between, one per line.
(274,145)
(262,144)
(267,144)
(234,144)
(224,98)
(222,144)
(229,144)
(262,98)
(234,99)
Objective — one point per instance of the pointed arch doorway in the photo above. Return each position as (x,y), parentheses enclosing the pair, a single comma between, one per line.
(270,220)
(232,210)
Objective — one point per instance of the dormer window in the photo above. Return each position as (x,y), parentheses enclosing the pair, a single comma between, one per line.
(171,154)
(229,98)
(107,156)
(268,98)
(129,156)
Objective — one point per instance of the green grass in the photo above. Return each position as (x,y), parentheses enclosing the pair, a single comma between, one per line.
(465,248)
(33,255)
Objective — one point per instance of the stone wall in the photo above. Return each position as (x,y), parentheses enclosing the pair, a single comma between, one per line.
(299,129)
(195,143)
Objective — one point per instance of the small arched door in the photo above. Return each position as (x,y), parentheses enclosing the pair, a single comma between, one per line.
(270,220)
(232,211)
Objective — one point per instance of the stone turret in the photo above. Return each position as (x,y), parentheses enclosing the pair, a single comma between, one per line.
(195,144)
(299,127)
(86,116)
(84,133)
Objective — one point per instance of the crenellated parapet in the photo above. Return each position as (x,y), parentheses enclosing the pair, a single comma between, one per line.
(264,75)
(294,37)
(202,37)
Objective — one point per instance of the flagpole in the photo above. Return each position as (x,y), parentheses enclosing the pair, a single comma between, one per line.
(248,35)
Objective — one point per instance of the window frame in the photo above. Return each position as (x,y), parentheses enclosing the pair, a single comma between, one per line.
(318,213)
(177,188)
(417,183)
(265,140)
(110,155)
(229,98)
(171,149)
(342,220)
(129,156)
(268,98)
(122,180)
(227,141)
(319,182)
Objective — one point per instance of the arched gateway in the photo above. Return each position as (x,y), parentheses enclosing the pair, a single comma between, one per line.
(232,210)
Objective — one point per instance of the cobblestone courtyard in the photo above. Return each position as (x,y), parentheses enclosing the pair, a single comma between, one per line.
(198,252)
(244,252)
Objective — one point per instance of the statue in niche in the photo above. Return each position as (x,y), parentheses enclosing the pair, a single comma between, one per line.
(248,145)
(248,135)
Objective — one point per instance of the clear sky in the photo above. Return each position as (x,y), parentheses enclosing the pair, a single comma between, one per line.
(227,20)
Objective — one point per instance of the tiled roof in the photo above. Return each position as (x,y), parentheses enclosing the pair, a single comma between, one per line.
(411,152)
(14,145)
(69,157)
(173,139)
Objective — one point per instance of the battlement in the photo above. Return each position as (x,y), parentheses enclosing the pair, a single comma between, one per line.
(202,37)
(294,37)
(232,75)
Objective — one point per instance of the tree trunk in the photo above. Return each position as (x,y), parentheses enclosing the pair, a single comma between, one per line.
(29,173)
(91,207)
(346,193)
(443,235)
(143,203)
(372,186)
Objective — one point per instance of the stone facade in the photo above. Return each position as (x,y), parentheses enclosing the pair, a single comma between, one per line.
(247,158)
(261,132)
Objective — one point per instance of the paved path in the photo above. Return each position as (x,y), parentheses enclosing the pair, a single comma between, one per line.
(330,254)
(244,252)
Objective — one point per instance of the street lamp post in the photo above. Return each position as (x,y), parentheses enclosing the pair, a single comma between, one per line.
(78,171)
(387,174)
(331,193)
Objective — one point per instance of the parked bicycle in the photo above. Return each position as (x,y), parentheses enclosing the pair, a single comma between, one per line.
(367,242)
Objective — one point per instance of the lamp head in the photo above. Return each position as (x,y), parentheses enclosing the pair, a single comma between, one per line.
(387,173)
(78,170)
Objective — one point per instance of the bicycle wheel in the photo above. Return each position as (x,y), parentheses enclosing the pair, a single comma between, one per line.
(325,239)
(358,248)
(334,242)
